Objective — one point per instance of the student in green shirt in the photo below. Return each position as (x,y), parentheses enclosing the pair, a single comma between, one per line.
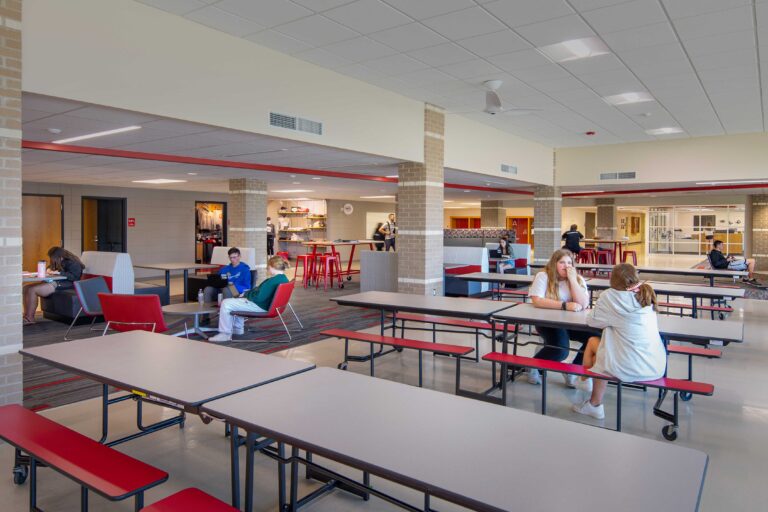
(256,300)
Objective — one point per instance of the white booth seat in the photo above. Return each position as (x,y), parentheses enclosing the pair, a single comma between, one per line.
(476,256)
(247,256)
(115,267)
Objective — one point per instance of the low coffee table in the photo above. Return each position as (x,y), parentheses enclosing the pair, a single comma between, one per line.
(194,310)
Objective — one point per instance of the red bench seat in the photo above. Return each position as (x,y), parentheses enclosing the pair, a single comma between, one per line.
(190,500)
(455,322)
(695,351)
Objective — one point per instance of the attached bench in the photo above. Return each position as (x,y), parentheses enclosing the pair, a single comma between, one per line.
(478,327)
(663,384)
(190,500)
(92,465)
(720,310)
(692,352)
(456,351)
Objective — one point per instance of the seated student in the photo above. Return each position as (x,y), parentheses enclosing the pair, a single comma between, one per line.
(572,238)
(256,300)
(503,251)
(722,262)
(558,286)
(237,274)
(630,348)
(63,263)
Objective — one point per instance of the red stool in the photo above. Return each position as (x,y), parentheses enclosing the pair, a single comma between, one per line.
(327,266)
(605,256)
(307,268)
(585,256)
(634,257)
(284,255)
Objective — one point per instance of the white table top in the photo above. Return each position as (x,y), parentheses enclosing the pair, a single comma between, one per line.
(190,308)
(328,243)
(175,265)
(27,278)
(479,455)
(675,327)
(492,277)
(680,289)
(427,304)
(185,372)
(706,272)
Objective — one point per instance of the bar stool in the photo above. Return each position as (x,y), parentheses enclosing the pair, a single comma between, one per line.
(605,256)
(585,256)
(284,255)
(307,268)
(325,267)
(630,253)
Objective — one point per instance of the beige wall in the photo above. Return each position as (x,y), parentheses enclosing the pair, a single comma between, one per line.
(733,157)
(352,227)
(165,220)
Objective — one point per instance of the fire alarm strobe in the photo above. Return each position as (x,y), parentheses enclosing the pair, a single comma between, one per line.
(590,133)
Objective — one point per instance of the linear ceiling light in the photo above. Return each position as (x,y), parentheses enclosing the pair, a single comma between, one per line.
(377,197)
(628,98)
(669,130)
(159,181)
(735,182)
(97,134)
(293,191)
(575,49)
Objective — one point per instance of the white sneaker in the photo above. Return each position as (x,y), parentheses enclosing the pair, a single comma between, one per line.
(534,377)
(239,332)
(570,380)
(584,385)
(220,338)
(586,408)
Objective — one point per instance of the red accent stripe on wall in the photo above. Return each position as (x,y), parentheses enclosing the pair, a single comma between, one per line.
(667,190)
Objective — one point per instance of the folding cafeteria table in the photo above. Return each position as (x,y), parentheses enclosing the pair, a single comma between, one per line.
(709,273)
(497,279)
(417,438)
(164,370)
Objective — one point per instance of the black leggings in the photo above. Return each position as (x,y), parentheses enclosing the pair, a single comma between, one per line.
(557,343)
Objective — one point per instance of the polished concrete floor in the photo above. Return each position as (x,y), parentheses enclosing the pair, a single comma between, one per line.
(731,426)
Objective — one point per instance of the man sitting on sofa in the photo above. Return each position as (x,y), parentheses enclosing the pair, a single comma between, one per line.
(722,262)
(237,274)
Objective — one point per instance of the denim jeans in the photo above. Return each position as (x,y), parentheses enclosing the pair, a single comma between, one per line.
(557,343)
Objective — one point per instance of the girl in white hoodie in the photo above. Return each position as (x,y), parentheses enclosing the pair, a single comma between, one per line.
(630,348)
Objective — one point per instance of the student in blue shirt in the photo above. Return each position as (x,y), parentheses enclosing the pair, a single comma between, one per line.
(237,273)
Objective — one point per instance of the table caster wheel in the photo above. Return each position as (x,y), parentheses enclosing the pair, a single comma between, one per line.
(20,474)
(669,432)
(349,278)
(721,316)
(685,396)
(342,366)
(341,285)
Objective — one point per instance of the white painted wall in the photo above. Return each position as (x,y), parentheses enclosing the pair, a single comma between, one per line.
(475,147)
(731,157)
(125,54)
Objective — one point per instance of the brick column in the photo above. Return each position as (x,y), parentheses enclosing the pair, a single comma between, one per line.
(247,215)
(493,214)
(547,217)
(10,203)
(606,219)
(759,231)
(420,213)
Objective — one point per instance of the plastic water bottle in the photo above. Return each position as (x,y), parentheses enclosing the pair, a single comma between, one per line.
(41,265)
(200,297)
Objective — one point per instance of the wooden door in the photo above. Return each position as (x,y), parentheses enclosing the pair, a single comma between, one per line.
(41,228)
(522,228)
(90,231)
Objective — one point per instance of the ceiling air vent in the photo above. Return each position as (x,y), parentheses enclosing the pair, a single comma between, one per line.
(609,175)
(509,169)
(295,123)
(629,175)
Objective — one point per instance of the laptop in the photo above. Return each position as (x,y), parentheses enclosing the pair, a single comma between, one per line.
(216,281)
(494,253)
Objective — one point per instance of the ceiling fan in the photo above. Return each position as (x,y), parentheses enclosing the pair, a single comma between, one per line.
(493,104)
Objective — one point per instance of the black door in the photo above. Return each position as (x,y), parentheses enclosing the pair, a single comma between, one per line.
(104,224)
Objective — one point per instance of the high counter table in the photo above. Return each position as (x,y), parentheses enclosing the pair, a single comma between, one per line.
(168,267)
(418,438)
(163,369)
(333,244)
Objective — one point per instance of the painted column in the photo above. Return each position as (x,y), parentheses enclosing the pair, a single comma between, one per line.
(606,219)
(493,214)
(247,215)
(547,218)
(420,213)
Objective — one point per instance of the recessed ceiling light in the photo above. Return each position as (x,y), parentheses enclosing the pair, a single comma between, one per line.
(734,182)
(317,178)
(664,131)
(296,199)
(291,175)
(447,201)
(97,134)
(159,181)
(466,191)
(192,173)
(54,130)
(628,97)
(392,176)
(296,183)
(574,49)
(377,197)
(292,191)
(471,204)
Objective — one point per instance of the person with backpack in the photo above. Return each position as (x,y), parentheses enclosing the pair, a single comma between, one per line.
(389,230)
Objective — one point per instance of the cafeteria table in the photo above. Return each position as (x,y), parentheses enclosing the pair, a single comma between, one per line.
(168,267)
(164,370)
(497,280)
(476,455)
(708,273)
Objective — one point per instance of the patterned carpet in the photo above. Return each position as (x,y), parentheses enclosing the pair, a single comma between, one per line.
(46,387)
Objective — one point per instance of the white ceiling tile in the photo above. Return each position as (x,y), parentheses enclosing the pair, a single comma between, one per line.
(424,77)
(361,72)
(470,69)
(649,69)
(112,115)
(612,82)
(442,55)
(317,30)
(175,6)
(588,5)
(722,22)
(541,73)
(28,114)
(224,21)
(422,9)
(321,5)
(323,58)
(409,37)
(687,8)
(264,12)
(518,13)
(556,30)
(396,64)
(593,65)
(359,49)
(720,43)
(625,15)
(178,127)
(277,41)
(464,24)
(640,37)
(496,43)
(366,16)
(730,74)
(557,85)
(719,60)
(519,60)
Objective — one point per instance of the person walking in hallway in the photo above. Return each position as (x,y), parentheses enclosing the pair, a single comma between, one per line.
(389,230)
